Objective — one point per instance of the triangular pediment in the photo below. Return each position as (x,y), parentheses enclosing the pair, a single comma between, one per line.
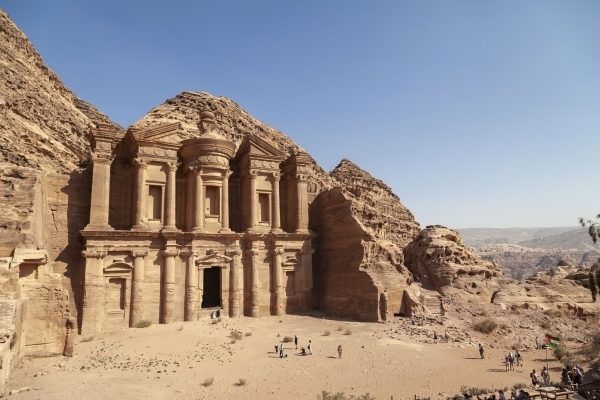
(260,148)
(214,259)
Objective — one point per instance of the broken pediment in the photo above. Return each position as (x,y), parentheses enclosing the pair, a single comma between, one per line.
(254,146)
(169,134)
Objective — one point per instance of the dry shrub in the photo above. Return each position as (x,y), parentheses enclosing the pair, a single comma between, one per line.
(288,339)
(348,332)
(208,381)
(241,382)
(325,395)
(248,334)
(485,326)
(339,328)
(143,323)
(87,339)
(236,335)
(326,333)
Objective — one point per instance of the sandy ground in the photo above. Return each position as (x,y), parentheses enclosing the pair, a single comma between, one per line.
(172,362)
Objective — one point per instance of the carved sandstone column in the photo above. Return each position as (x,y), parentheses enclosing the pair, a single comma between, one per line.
(302,200)
(169,285)
(225,204)
(93,292)
(100,195)
(225,289)
(140,195)
(254,291)
(191,290)
(253,201)
(276,224)
(199,212)
(236,283)
(137,292)
(170,197)
(307,274)
(278,284)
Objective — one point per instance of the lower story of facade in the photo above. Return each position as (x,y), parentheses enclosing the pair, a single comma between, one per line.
(130,277)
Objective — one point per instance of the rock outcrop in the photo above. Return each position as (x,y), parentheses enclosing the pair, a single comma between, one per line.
(363,228)
(439,259)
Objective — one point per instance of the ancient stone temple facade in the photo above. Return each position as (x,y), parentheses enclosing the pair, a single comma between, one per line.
(181,226)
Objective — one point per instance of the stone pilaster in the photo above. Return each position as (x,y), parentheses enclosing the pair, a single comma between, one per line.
(140,211)
(169,285)
(189,199)
(276,220)
(302,200)
(253,198)
(170,197)
(255,288)
(137,292)
(191,288)
(236,283)
(225,204)
(278,292)
(200,285)
(225,290)
(307,274)
(99,199)
(93,292)
(199,204)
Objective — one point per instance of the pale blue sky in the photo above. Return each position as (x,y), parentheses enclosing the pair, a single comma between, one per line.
(476,113)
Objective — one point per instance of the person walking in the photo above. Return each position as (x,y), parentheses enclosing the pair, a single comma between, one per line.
(309,347)
(340,351)
(296,341)
(281,351)
(481,351)
(546,376)
(535,381)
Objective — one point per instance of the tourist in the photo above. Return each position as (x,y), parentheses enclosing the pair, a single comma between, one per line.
(535,381)
(481,350)
(537,343)
(511,361)
(546,376)
(506,363)
(340,351)
(577,375)
(309,347)
(565,378)
(296,341)
(501,395)
(281,351)
(276,349)
(518,359)
(302,351)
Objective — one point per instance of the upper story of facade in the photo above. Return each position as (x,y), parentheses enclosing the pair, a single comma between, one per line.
(148,180)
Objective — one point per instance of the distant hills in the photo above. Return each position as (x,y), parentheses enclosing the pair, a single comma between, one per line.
(522,252)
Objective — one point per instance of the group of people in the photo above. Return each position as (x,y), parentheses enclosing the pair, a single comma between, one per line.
(512,359)
(279,349)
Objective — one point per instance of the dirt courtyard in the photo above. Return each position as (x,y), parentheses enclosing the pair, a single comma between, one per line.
(174,361)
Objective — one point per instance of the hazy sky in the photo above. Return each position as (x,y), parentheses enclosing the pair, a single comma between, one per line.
(476,113)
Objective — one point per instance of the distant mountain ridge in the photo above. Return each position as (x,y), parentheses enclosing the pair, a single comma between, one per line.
(522,252)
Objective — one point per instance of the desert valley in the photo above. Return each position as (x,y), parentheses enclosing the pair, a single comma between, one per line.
(181,256)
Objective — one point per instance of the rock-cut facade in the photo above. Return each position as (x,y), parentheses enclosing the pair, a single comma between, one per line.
(179,228)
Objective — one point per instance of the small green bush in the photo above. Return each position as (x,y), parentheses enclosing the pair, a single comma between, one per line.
(485,326)
(143,323)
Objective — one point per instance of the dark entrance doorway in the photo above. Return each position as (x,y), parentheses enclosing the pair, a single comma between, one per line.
(211,296)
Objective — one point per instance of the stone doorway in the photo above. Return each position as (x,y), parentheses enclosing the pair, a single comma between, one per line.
(211,296)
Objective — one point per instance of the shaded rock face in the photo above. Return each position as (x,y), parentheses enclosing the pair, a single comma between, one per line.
(439,259)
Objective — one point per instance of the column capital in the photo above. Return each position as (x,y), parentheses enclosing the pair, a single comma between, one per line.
(253,173)
(101,158)
(94,253)
(140,163)
(170,252)
(172,166)
(301,177)
(139,253)
(276,175)
(278,251)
